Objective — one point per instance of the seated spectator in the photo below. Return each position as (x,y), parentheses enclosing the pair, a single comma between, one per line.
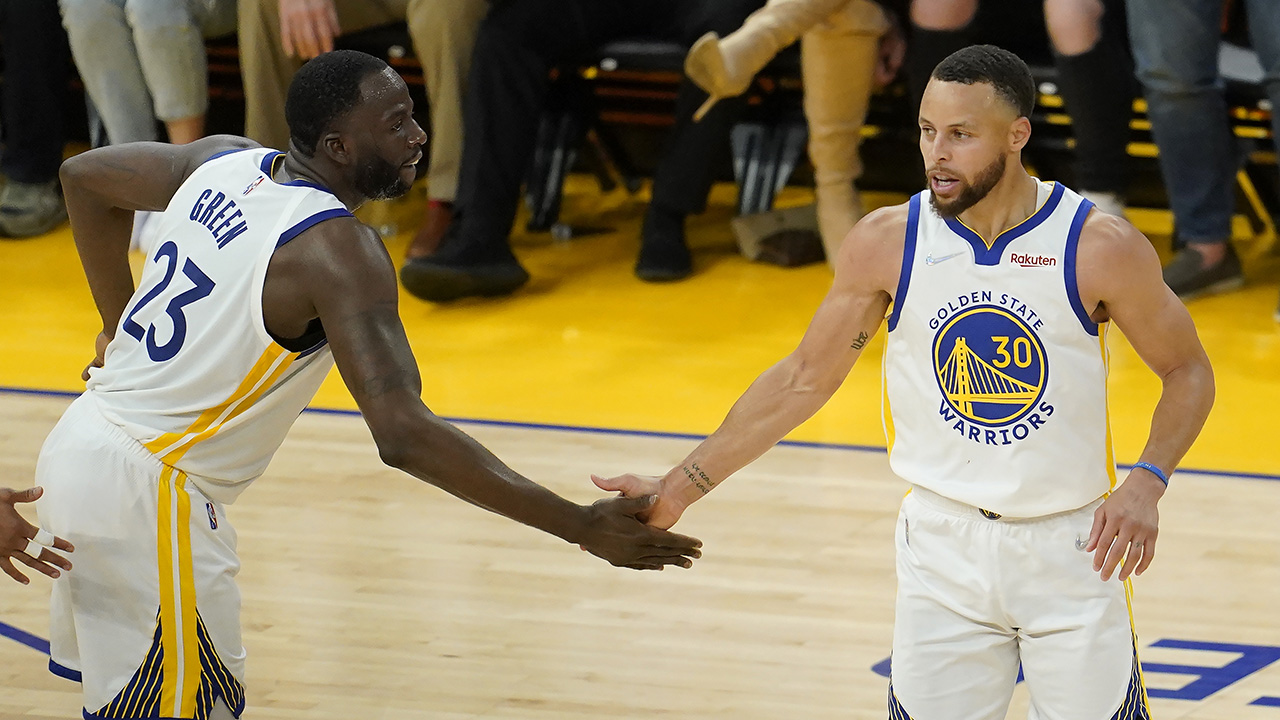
(848,47)
(518,45)
(1175,46)
(276,36)
(144,59)
(37,70)
(1095,79)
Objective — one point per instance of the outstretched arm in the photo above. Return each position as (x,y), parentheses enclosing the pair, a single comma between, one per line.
(1119,278)
(796,387)
(103,187)
(341,268)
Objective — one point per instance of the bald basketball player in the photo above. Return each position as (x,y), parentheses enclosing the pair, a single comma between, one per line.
(998,290)
(260,280)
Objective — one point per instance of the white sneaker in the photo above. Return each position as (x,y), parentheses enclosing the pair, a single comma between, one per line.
(1107,202)
(146,227)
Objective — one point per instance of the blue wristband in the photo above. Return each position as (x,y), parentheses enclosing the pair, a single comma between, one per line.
(1154,471)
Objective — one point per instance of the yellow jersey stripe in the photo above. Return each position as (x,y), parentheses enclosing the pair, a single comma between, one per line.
(886,411)
(187,604)
(1106,374)
(168,603)
(173,456)
(209,416)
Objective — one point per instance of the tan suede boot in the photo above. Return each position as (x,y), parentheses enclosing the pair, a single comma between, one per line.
(725,66)
(837,60)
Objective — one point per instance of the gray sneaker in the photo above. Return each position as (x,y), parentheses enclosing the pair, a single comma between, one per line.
(28,209)
(1188,280)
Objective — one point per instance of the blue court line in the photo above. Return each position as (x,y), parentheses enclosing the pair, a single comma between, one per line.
(22,636)
(652,433)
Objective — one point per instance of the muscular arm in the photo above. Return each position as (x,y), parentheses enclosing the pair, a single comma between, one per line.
(1119,279)
(340,272)
(103,187)
(796,387)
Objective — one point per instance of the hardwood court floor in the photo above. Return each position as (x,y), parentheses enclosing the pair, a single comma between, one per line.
(367,595)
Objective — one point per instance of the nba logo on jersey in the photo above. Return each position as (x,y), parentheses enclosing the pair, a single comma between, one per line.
(254,184)
(992,370)
(213,516)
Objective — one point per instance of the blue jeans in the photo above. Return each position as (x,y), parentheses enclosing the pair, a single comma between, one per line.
(1175,47)
(144,59)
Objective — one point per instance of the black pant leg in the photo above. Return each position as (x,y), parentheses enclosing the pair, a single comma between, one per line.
(37,70)
(694,150)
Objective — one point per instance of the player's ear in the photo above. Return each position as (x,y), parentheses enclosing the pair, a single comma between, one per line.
(1019,134)
(334,145)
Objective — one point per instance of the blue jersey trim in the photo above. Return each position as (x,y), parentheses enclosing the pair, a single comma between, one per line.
(984,255)
(268,161)
(1069,267)
(310,221)
(63,671)
(313,349)
(908,259)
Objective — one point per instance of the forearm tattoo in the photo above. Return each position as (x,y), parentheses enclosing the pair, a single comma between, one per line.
(698,478)
(860,342)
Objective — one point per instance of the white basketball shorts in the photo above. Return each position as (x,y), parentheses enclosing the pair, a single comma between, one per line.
(980,595)
(148,619)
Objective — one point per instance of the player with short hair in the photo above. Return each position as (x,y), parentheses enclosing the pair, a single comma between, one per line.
(260,279)
(998,290)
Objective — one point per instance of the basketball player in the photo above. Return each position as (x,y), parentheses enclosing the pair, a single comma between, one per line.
(259,280)
(998,291)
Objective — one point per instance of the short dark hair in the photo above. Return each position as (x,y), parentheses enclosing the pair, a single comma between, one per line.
(1003,70)
(322,91)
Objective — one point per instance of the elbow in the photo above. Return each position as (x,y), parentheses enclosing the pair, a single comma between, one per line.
(393,449)
(69,171)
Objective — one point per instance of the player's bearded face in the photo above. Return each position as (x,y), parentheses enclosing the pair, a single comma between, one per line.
(378,179)
(971,193)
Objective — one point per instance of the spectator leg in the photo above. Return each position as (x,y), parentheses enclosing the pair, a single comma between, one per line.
(1264,31)
(1175,45)
(507,88)
(37,69)
(103,45)
(938,28)
(837,59)
(1095,77)
(444,34)
(170,47)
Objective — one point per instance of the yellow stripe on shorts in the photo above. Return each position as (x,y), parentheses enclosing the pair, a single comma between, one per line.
(179,641)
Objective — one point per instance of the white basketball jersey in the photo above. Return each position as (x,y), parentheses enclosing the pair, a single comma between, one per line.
(994,375)
(192,373)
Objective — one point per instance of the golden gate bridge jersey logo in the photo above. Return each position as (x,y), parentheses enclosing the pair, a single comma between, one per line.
(992,370)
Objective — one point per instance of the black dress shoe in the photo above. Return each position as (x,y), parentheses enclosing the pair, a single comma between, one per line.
(664,256)
(429,279)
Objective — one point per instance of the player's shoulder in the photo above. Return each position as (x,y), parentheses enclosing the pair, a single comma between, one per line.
(872,251)
(1109,240)
(207,148)
(881,233)
(889,221)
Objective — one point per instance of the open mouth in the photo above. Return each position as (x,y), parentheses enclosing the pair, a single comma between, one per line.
(942,184)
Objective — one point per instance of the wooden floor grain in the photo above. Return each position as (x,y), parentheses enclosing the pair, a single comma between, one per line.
(367,594)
